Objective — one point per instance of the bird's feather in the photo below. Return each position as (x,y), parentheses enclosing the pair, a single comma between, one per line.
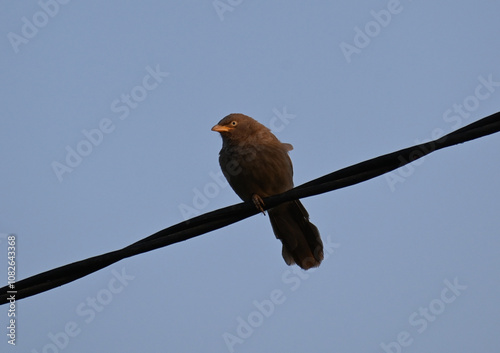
(301,240)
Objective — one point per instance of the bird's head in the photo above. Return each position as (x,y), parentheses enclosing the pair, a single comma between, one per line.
(240,128)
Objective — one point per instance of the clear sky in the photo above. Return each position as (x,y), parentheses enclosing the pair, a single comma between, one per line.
(105,139)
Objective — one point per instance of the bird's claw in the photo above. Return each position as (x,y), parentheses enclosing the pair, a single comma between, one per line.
(257,201)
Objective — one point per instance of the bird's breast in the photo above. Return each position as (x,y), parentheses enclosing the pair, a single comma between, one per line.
(259,169)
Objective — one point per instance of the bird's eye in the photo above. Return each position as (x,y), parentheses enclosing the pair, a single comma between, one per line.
(234,123)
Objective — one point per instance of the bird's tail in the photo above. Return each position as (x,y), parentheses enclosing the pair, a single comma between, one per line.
(301,240)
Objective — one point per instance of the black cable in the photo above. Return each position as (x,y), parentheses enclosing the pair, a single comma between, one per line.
(222,217)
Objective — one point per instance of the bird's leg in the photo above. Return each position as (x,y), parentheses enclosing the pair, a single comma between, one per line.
(257,201)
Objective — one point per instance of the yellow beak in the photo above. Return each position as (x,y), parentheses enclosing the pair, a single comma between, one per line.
(220,128)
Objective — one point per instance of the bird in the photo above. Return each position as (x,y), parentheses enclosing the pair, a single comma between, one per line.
(257,165)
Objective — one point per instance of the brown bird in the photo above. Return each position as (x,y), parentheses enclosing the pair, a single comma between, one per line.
(256,165)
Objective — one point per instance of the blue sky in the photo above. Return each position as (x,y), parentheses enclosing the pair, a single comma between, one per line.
(105,139)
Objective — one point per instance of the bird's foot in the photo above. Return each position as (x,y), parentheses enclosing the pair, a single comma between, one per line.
(257,201)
